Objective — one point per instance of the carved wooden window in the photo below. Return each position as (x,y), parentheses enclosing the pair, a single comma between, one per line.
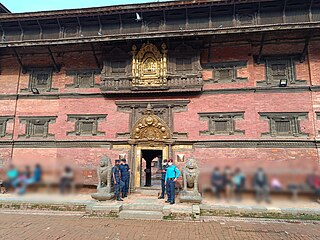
(221,123)
(41,79)
(37,127)
(83,78)
(86,125)
(3,126)
(224,72)
(284,124)
(280,69)
(183,64)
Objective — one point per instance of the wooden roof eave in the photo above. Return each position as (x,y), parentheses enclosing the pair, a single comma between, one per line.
(165,34)
(118,9)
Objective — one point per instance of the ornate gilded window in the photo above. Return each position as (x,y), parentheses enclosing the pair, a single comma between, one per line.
(149,66)
(86,125)
(37,127)
(284,124)
(83,78)
(221,123)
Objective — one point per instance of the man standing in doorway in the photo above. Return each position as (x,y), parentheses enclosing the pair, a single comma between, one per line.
(172,174)
(125,177)
(163,178)
(116,176)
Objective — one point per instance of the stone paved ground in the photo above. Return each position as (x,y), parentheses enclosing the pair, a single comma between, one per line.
(41,225)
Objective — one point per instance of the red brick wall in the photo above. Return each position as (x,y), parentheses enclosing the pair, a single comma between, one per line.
(251,102)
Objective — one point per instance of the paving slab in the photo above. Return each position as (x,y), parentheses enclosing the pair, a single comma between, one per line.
(147,215)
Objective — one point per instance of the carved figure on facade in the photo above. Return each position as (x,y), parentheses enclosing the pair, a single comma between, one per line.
(150,128)
(104,187)
(149,66)
(190,174)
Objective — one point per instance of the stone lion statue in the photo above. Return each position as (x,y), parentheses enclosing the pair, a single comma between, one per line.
(104,172)
(190,175)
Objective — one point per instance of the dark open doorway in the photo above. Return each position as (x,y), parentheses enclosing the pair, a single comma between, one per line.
(151,163)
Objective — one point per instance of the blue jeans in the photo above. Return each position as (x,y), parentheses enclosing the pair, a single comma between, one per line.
(125,187)
(117,187)
(171,185)
(163,187)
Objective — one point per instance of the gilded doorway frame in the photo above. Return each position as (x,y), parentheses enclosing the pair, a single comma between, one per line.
(137,163)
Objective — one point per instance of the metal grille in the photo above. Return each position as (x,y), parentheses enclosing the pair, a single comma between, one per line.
(221,126)
(224,74)
(283,127)
(42,79)
(85,80)
(86,127)
(37,128)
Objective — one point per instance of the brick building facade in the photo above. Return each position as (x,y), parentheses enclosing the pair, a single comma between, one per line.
(229,83)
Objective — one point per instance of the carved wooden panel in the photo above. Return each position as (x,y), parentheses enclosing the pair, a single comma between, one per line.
(37,127)
(226,72)
(221,123)
(163,109)
(280,68)
(40,78)
(83,78)
(86,125)
(284,124)
(3,126)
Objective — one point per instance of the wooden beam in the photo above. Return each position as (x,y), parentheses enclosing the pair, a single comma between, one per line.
(23,69)
(41,30)
(56,66)
(306,46)
(80,27)
(21,29)
(60,29)
(284,11)
(3,37)
(100,26)
(310,10)
(261,47)
(95,56)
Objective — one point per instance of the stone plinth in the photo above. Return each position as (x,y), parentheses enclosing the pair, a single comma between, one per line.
(102,196)
(190,197)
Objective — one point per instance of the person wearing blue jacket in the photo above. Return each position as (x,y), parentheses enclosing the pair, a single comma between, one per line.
(172,174)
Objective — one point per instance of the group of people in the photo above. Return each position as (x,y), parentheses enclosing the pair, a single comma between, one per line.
(19,180)
(121,179)
(228,182)
(233,183)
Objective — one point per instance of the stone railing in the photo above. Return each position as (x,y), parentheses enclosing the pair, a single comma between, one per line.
(175,83)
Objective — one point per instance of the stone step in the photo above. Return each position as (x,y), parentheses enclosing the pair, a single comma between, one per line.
(133,214)
(143,207)
(148,192)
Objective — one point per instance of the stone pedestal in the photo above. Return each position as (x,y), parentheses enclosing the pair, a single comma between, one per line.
(190,197)
(102,195)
